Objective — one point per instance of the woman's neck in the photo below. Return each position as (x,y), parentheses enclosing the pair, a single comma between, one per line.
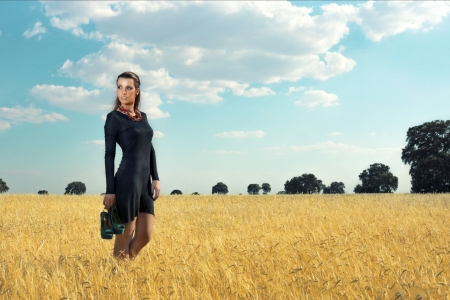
(130,107)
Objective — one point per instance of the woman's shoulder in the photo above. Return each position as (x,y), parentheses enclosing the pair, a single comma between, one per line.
(111,116)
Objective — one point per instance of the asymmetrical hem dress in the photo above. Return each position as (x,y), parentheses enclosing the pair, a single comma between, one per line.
(132,182)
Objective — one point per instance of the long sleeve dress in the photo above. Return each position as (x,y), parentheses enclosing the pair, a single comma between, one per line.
(132,181)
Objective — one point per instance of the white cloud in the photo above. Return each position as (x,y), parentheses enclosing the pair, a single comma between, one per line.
(189,61)
(158,134)
(241,134)
(70,15)
(114,58)
(37,29)
(271,148)
(336,133)
(94,101)
(242,89)
(315,97)
(27,114)
(202,58)
(4,125)
(379,19)
(295,89)
(373,133)
(94,35)
(330,147)
(226,152)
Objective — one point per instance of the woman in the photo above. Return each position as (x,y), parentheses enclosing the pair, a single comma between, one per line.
(136,183)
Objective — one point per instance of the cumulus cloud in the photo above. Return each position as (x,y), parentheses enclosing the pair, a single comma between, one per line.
(226,152)
(37,29)
(244,45)
(330,147)
(92,101)
(379,19)
(205,61)
(158,134)
(70,15)
(4,125)
(30,114)
(295,89)
(241,134)
(113,58)
(316,97)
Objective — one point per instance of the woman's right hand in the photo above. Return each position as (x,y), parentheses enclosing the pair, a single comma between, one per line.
(108,200)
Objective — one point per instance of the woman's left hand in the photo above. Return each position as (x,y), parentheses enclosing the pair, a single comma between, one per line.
(155,189)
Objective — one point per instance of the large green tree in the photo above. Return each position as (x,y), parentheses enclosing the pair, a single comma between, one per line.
(176,192)
(377,179)
(428,153)
(266,188)
(75,188)
(220,188)
(335,188)
(3,187)
(253,189)
(305,184)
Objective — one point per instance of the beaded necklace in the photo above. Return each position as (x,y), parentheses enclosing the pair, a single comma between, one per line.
(137,114)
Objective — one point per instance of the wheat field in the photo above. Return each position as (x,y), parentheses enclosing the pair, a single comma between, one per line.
(232,247)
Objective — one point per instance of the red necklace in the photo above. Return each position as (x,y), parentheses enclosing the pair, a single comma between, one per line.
(137,114)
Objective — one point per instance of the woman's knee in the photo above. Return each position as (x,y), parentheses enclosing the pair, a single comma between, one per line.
(146,237)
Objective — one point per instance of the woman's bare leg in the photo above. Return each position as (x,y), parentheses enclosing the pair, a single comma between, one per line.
(122,241)
(143,234)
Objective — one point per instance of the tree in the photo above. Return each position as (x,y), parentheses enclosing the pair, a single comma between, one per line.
(428,153)
(43,192)
(377,179)
(195,193)
(75,188)
(3,187)
(432,175)
(266,188)
(335,188)
(176,192)
(253,189)
(220,188)
(281,193)
(305,184)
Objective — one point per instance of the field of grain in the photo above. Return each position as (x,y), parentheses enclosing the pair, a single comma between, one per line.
(232,247)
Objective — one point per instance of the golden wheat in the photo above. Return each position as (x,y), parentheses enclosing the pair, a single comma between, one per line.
(232,247)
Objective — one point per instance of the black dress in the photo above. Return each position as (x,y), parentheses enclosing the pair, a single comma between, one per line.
(132,181)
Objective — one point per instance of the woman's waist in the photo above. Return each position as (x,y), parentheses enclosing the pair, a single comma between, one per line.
(134,162)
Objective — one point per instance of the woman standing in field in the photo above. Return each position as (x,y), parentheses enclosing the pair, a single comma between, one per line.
(136,183)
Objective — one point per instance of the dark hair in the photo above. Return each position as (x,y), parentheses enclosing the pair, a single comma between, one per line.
(137,84)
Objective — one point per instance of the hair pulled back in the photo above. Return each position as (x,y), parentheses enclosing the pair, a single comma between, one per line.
(137,84)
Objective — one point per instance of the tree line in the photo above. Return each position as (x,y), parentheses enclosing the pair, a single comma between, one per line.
(427,152)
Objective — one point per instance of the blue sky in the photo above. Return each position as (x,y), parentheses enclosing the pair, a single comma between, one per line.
(238,92)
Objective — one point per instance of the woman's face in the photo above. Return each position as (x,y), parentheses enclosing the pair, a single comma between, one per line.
(126,92)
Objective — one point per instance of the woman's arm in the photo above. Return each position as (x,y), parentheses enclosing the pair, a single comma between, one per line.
(153,169)
(111,131)
(155,189)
